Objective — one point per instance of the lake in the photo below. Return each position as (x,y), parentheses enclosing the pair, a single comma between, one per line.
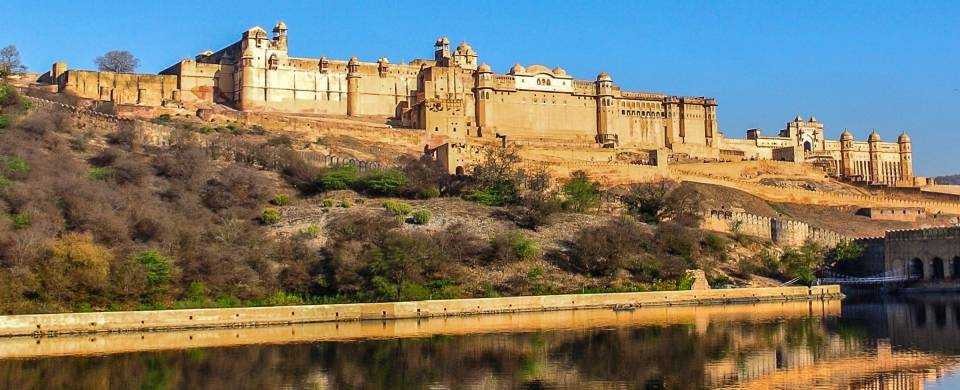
(893,343)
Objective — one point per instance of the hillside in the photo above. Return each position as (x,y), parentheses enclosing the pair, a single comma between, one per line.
(98,220)
(951,179)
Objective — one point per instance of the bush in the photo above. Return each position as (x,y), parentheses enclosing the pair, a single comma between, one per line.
(422,217)
(98,173)
(512,246)
(346,203)
(283,298)
(14,164)
(398,209)
(312,231)
(8,95)
(608,248)
(536,212)
(526,248)
(280,200)
(382,182)
(338,177)
(282,140)
(581,193)
(4,121)
(21,220)
(77,267)
(430,192)
(270,216)
(497,195)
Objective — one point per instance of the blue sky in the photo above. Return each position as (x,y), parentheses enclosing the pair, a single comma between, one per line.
(860,65)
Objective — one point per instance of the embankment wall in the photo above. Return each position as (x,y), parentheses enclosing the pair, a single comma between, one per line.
(701,317)
(41,324)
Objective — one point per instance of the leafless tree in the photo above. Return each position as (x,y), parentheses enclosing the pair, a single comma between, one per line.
(10,61)
(119,61)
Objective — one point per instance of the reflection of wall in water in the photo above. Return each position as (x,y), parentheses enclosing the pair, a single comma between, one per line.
(931,324)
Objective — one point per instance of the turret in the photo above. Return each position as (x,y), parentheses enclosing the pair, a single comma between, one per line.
(465,57)
(605,109)
(483,91)
(906,157)
(280,34)
(846,154)
(874,143)
(248,88)
(353,86)
(383,66)
(441,51)
(56,75)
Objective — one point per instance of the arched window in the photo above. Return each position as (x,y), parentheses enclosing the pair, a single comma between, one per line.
(916,268)
(937,269)
(807,146)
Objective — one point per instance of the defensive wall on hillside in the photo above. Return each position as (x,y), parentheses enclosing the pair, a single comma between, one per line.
(97,322)
(781,231)
(806,196)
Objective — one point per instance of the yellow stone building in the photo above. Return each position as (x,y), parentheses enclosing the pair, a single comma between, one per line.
(462,105)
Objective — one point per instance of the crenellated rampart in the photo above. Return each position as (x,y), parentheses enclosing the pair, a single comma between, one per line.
(780,231)
(808,196)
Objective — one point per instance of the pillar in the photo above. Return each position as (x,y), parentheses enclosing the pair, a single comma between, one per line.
(353,87)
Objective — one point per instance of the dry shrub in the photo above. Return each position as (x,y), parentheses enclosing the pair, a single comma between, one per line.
(238,191)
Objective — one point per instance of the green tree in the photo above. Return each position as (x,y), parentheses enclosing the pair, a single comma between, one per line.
(402,258)
(802,263)
(157,268)
(844,251)
(581,193)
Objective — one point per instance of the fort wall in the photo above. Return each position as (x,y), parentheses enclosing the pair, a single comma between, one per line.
(805,196)
(121,88)
(778,230)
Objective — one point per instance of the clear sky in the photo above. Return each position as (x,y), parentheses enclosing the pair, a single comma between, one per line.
(860,65)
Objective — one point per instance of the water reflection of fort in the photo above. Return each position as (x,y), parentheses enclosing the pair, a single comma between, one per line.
(793,345)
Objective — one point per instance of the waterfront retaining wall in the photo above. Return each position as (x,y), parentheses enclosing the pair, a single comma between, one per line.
(41,324)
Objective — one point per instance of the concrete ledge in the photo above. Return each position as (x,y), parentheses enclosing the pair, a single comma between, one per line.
(68,323)
(699,317)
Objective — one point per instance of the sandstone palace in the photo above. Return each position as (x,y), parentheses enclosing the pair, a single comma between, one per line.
(461,105)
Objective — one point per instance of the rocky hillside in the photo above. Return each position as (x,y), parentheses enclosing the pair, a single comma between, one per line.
(951,179)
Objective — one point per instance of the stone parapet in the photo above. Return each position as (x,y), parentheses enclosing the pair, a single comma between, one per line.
(99,322)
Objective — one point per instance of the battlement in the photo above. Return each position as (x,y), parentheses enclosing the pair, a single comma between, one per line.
(779,230)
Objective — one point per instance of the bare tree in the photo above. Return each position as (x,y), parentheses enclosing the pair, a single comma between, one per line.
(119,61)
(663,200)
(10,61)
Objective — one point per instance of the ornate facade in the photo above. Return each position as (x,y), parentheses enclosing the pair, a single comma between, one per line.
(459,101)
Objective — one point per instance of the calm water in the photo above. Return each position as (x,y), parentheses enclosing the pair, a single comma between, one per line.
(897,344)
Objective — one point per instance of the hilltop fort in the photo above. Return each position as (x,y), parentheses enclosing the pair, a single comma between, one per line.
(462,106)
